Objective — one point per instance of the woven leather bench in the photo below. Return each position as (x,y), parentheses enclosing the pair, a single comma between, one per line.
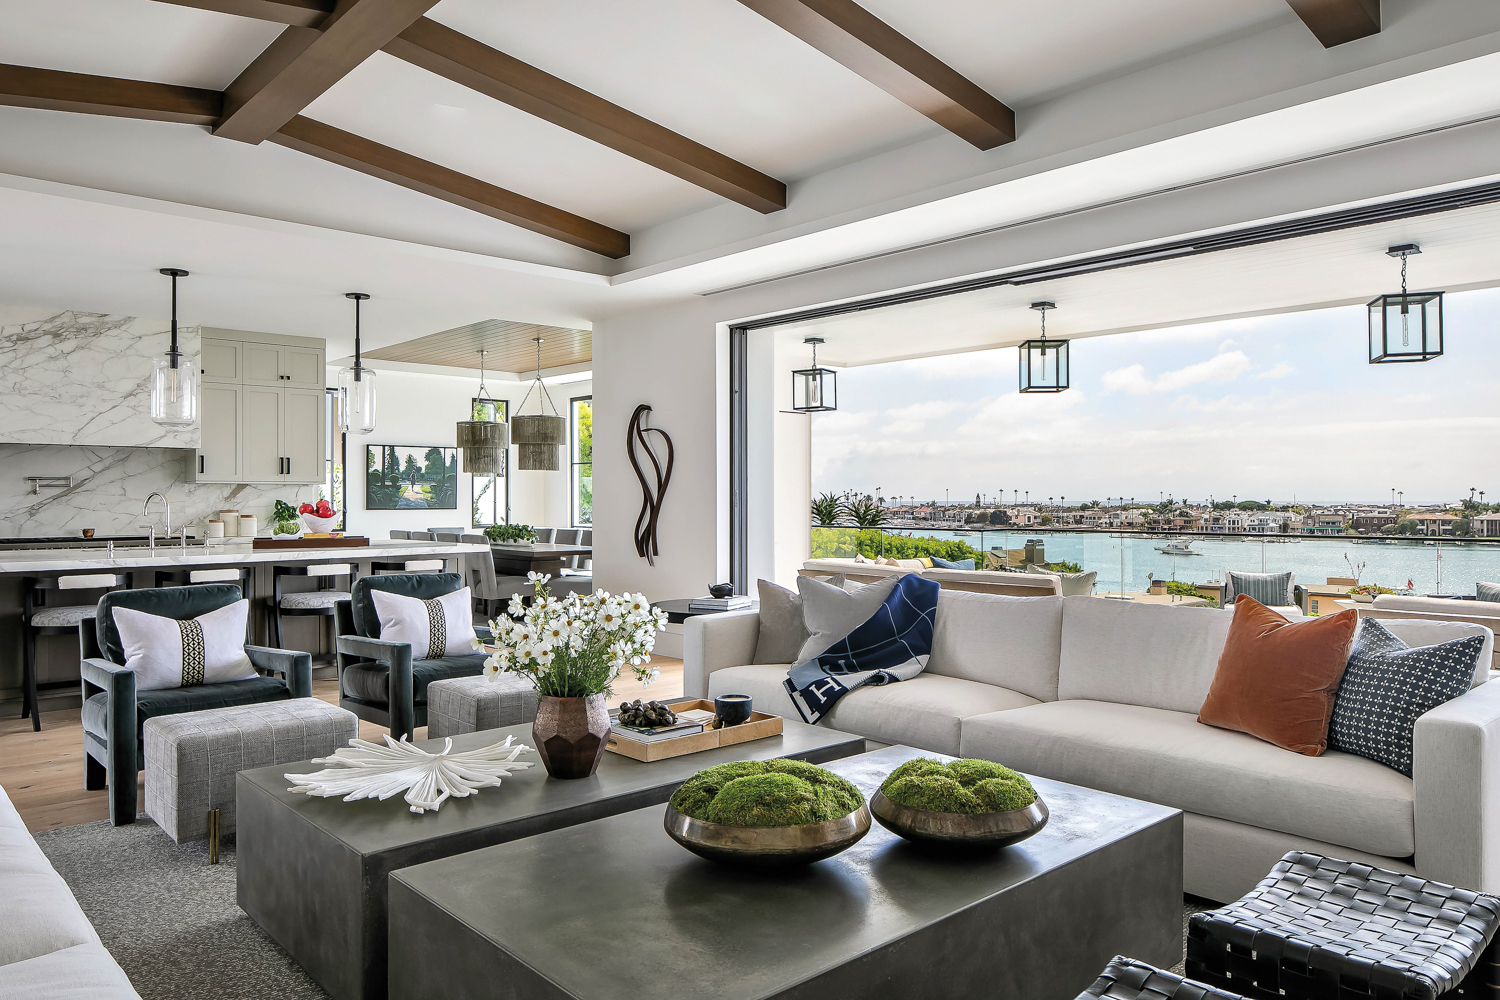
(1127,979)
(1323,929)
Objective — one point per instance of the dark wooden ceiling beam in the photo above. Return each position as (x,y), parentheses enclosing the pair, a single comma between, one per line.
(302,13)
(29,87)
(303,63)
(457,57)
(356,153)
(846,32)
(1338,21)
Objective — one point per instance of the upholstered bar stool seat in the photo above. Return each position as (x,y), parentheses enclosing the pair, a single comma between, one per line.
(313,599)
(471,704)
(192,758)
(39,617)
(301,604)
(61,617)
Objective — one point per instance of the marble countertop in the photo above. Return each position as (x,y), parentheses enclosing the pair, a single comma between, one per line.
(233,552)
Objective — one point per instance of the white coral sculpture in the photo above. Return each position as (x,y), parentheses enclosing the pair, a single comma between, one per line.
(364,770)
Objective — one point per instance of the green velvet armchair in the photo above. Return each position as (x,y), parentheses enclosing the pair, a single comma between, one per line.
(115,713)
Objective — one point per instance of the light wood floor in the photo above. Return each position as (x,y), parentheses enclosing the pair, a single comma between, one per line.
(43,772)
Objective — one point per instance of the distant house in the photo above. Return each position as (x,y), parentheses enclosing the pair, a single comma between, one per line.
(1369,524)
(1436,524)
(1324,522)
(1486,525)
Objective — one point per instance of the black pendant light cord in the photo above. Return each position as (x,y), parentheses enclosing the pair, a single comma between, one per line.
(174,355)
(358,297)
(538,383)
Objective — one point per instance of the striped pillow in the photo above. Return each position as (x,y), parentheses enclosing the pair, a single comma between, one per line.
(1274,590)
(1487,591)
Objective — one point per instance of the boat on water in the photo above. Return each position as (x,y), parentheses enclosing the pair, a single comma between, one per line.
(1178,547)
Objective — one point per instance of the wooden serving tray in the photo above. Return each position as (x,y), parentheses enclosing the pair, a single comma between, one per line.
(343,542)
(757,727)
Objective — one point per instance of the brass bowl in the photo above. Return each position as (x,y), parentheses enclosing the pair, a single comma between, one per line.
(767,845)
(996,829)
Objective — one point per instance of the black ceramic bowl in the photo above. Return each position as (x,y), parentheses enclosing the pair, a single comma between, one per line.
(733,709)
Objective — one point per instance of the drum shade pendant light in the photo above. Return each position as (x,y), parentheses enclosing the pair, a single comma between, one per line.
(539,437)
(483,442)
(356,385)
(174,385)
(1409,326)
(1044,363)
(815,390)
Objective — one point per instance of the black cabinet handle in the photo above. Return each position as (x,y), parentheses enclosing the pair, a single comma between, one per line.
(200,465)
(289,466)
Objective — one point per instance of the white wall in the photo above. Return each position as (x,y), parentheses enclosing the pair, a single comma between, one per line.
(423,409)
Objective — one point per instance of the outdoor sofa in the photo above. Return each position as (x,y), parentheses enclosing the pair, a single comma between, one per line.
(1105,694)
(974,580)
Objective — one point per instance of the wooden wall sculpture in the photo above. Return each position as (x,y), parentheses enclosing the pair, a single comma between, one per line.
(653,487)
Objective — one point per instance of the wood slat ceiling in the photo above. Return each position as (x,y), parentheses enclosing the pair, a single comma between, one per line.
(509,345)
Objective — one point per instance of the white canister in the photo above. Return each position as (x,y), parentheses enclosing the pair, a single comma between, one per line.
(215,528)
(249,526)
(231,519)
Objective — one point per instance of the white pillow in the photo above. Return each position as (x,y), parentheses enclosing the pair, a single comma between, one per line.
(443,626)
(166,653)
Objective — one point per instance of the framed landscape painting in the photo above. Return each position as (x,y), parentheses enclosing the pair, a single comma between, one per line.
(410,477)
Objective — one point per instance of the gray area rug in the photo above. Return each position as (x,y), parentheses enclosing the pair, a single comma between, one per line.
(169,917)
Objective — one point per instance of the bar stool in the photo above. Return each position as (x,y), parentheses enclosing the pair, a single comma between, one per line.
(308,603)
(39,619)
(243,575)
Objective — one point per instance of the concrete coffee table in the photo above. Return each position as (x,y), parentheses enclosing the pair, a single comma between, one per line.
(312,872)
(615,908)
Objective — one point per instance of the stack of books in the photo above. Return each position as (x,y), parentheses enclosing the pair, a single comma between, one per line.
(736,603)
(688,723)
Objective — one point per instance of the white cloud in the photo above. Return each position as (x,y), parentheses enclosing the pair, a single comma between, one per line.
(972,364)
(1280,371)
(931,410)
(1413,398)
(1215,371)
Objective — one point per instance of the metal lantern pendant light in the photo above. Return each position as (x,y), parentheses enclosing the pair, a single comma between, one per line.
(1044,363)
(539,437)
(1409,326)
(174,385)
(356,385)
(814,390)
(483,442)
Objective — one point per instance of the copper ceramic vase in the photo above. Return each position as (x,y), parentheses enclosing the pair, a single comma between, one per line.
(570,734)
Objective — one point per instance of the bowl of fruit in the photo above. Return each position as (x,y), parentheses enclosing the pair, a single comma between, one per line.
(318,518)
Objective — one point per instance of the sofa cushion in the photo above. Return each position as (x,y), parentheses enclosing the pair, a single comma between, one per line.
(37,909)
(1271,589)
(423,586)
(371,681)
(82,972)
(952,563)
(782,632)
(169,602)
(173,701)
(923,712)
(1429,632)
(1010,641)
(1073,584)
(1487,592)
(1167,757)
(1139,654)
(830,612)
(1277,679)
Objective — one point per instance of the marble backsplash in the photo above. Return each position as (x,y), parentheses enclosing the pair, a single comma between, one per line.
(111,484)
(84,378)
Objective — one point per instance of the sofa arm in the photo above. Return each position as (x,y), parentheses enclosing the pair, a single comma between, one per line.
(710,642)
(293,663)
(1456,786)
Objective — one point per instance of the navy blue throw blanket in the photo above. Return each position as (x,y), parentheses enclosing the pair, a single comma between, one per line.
(892,645)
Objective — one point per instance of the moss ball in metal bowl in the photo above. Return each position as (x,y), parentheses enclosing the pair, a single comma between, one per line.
(775,812)
(964,802)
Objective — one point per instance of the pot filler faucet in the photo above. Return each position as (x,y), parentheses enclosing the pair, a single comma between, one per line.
(151,528)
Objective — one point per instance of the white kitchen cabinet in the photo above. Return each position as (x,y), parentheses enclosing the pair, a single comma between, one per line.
(264,418)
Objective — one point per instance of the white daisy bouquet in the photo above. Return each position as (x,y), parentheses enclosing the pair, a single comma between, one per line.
(577,646)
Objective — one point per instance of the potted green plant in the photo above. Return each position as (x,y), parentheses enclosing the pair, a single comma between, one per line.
(1366,593)
(510,533)
(572,650)
(284,523)
(970,801)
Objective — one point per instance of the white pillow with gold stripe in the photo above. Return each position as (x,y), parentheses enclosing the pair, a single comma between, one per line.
(442,626)
(168,653)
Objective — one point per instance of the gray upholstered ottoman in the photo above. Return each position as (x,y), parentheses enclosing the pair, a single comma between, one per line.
(192,758)
(470,704)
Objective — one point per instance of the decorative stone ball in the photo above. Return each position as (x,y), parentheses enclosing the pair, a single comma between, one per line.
(647,715)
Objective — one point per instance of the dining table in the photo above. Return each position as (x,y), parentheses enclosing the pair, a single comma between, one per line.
(520,558)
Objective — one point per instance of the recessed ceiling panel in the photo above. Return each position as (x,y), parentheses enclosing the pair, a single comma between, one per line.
(509,347)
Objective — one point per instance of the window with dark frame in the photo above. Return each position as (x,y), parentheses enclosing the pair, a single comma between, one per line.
(489,496)
(581,419)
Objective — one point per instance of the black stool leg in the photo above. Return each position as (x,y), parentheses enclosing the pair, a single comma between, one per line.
(29,700)
(276,625)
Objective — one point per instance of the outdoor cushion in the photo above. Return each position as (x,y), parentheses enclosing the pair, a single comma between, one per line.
(371,681)
(1271,589)
(169,602)
(420,585)
(1010,641)
(923,712)
(952,564)
(1167,757)
(1073,584)
(171,701)
(37,910)
(1139,654)
(1487,591)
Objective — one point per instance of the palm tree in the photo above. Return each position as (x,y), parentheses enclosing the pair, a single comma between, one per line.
(827,509)
(866,513)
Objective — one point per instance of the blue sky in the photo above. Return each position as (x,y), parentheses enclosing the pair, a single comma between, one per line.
(1275,407)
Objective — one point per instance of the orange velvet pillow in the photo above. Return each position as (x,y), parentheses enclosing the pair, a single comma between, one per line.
(1276,679)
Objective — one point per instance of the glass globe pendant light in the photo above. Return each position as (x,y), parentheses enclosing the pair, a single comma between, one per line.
(483,442)
(174,385)
(1044,363)
(356,385)
(539,438)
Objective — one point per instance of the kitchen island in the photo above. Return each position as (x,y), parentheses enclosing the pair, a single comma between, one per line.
(57,656)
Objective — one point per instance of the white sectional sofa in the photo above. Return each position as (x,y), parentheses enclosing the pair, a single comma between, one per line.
(1105,694)
(48,948)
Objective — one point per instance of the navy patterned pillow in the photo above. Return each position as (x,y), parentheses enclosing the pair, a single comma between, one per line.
(1388,685)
